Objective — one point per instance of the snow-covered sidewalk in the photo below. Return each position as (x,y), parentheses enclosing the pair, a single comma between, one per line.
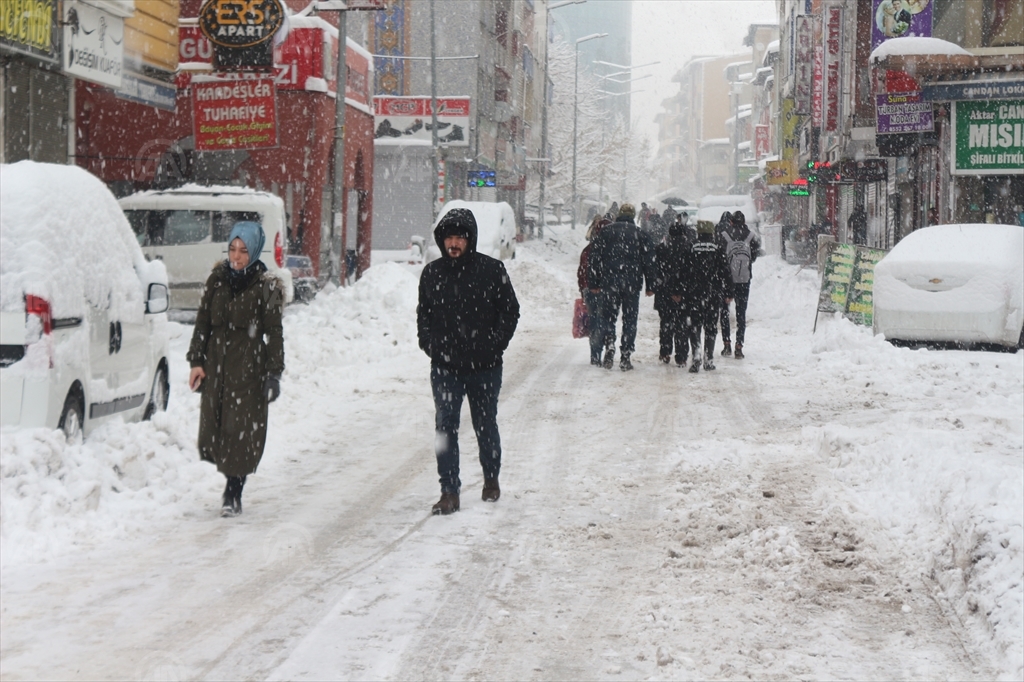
(829,507)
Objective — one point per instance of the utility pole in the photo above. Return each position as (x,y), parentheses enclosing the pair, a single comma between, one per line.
(433,111)
(338,263)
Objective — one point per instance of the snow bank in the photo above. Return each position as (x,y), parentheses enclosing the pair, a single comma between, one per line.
(916,45)
(63,237)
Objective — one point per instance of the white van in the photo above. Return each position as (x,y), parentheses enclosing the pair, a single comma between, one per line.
(495,227)
(82,326)
(188,227)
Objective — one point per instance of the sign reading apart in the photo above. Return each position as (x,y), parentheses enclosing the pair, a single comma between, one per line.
(238,114)
(900,18)
(93,44)
(27,26)
(241,31)
(988,137)
(847,283)
(408,118)
(902,112)
(803,65)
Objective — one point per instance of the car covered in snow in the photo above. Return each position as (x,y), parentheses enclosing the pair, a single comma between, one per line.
(82,325)
(959,284)
(188,227)
(495,224)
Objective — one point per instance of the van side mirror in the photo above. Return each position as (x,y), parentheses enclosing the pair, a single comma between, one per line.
(157,299)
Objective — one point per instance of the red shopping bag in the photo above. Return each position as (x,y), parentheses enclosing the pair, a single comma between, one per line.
(580,320)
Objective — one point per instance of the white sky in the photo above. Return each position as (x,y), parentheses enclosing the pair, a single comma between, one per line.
(672,31)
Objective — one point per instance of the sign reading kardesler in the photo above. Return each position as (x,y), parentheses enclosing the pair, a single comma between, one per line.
(235,114)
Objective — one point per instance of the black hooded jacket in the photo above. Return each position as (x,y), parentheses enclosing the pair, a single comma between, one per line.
(670,257)
(706,274)
(467,310)
(622,258)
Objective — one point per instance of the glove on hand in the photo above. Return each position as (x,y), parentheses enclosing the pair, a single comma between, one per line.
(271,388)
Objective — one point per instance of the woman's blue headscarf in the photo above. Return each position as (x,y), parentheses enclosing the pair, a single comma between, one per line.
(252,236)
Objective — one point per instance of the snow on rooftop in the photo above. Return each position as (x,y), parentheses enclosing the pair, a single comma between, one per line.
(916,45)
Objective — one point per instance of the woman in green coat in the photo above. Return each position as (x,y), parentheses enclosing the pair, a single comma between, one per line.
(237,357)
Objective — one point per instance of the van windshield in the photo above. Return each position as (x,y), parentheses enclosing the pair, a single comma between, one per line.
(178,227)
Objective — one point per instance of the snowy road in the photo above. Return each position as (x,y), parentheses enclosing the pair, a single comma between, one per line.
(793,515)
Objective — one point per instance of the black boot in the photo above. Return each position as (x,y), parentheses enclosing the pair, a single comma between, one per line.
(609,359)
(233,496)
(227,506)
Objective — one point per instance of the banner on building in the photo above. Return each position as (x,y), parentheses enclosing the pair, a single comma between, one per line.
(234,114)
(803,66)
(93,44)
(902,112)
(30,27)
(988,137)
(790,140)
(407,119)
(899,19)
(833,68)
(950,92)
(817,86)
(762,142)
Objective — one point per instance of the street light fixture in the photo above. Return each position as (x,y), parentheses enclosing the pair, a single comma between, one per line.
(575,114)
(544,113)
(613,80)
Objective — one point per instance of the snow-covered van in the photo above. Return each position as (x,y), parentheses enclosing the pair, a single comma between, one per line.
(188,227)
(82,324)
(495,225)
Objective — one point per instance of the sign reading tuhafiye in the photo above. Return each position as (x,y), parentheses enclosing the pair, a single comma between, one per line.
(988,137)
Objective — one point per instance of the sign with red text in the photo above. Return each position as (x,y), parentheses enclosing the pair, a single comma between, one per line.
(833,67)
(404,119)
(803,64)
(762,142)
(235,114)
(817,86)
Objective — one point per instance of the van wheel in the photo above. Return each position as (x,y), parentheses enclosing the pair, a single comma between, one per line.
(71,417)
(159,394)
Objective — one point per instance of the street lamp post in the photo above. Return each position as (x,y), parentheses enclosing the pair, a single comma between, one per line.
(544,117)
(575,114)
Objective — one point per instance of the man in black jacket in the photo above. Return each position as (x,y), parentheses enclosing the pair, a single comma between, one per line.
(706,282)
(621,259)
(466,316)
(670,256)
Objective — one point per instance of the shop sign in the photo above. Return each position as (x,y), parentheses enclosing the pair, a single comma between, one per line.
(234,114)
(988,137)
(405,119)
(902,112)
(803,66)
(781,172)
(135,88)
(899,19)
(790,140)
(241,31)
(93,44)
(833,59)
(29,27)
(817,86)
(951,92)
(480,178)
(762,143)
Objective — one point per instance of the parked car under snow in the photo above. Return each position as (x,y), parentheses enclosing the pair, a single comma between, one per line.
(496,228)
(961,284)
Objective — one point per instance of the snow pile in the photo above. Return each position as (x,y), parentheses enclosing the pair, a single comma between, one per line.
(916,45)
(63,237)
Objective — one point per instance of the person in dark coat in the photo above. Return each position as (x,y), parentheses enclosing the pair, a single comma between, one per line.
(237,357)
(465,319)
(621,260)
(704,292)
(741,249)
(858,226)
(593,301)
(669,257)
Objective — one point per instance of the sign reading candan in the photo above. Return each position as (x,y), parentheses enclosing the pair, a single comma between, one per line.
(989,137)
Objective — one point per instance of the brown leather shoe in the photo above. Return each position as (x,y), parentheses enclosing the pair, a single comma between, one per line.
(491,490)
(448,504)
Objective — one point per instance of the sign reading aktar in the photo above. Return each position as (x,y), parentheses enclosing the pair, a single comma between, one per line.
(988,137)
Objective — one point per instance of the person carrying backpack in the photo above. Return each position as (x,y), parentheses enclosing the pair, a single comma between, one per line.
(741,249)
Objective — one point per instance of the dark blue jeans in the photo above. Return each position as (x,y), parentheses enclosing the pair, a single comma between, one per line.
(481,388)
(629,302)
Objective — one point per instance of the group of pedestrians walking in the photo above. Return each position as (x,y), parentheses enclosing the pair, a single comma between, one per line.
(694,275)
